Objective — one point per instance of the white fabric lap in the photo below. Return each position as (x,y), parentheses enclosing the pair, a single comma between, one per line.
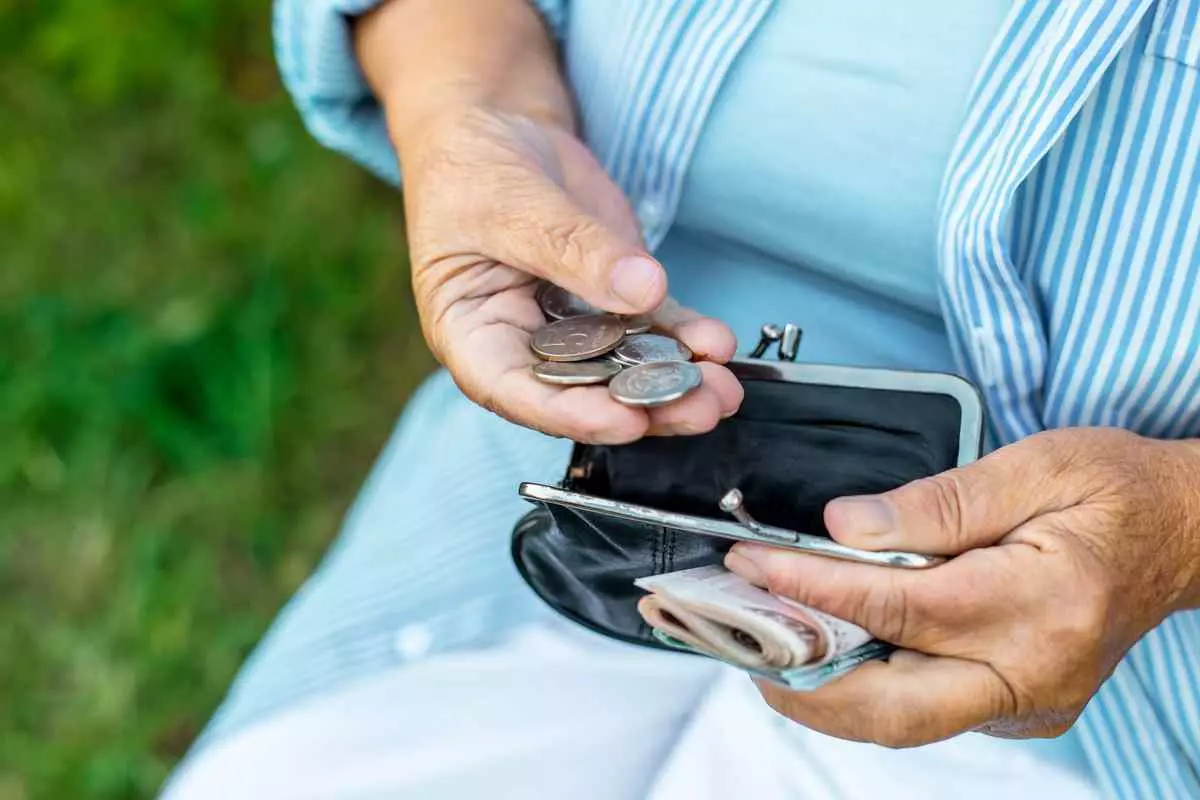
(735,746)
(555,712)
(551,712)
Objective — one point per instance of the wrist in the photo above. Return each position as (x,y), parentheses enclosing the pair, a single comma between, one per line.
(1190,523)
(1176,467)
(430,62)
(440,125)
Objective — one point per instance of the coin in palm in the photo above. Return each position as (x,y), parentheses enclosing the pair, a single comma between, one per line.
(638,324)
(557,303)
(575,373)
(646,348)
(578,338)
(654,384)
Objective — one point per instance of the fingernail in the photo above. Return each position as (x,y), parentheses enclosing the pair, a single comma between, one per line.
(747,561)
(635,280)
(868,515)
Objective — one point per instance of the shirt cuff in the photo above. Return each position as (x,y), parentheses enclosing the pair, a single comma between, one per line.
(315,52)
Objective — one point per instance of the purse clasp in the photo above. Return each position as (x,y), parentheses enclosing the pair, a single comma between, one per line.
(788,336)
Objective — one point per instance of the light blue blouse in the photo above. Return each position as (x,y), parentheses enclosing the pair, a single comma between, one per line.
(1067,256)
(812,194)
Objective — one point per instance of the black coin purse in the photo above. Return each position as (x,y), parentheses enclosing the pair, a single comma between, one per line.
(805,434)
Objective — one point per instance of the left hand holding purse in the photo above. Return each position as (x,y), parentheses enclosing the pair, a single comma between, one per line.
(1069,545)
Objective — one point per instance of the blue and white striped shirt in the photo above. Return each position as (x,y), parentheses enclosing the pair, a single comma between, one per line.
(1070,277)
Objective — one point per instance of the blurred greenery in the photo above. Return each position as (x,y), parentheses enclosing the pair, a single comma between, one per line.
(205,336)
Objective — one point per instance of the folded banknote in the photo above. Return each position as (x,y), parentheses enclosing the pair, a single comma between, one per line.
(717,613)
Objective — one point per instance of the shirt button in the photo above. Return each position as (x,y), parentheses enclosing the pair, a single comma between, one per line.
(650,213)
(413,641)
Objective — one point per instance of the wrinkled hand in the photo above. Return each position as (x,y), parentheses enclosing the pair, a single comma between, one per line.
(1073,544)
(497,201)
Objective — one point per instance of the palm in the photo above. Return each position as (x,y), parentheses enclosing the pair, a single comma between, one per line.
(479,311)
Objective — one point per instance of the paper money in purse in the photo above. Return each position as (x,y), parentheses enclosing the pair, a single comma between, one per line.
(805,434)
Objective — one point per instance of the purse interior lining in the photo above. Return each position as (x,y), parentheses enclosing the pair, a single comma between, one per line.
(790,450)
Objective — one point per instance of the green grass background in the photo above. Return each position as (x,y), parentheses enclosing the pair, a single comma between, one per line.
(205,336)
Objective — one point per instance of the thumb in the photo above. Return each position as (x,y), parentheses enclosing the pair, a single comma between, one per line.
(551,237)
(972,506)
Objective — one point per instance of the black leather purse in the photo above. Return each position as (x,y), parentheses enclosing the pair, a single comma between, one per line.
(805,434)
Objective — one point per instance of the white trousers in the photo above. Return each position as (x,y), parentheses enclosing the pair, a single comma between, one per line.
(555,712)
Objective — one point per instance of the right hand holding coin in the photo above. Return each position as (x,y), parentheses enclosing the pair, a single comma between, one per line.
(496,202)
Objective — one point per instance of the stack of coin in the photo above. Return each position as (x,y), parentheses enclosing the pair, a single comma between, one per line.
(582,345)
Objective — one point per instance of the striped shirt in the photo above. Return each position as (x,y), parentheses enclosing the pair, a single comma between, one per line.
(1068,256)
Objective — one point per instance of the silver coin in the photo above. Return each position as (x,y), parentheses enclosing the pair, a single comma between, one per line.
(646,348)
(576,373)
(636,325)
(578,338)
(557,303)
(654,384)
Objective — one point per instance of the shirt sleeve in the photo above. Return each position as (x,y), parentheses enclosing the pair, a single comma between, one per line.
(315,52)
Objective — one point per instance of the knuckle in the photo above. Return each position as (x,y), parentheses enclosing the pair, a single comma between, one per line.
(570,241)
(943,498)
(893,615)
(887,612)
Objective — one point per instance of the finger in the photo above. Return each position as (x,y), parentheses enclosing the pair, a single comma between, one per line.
(695,414)
(972,506)
(699,411)
(725,386)
(708,338)
(586,414)
(919,609)
(488,354)
(910,700)
(548,235)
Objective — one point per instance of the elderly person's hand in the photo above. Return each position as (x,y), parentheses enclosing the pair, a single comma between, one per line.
(497,201)
(500,193)
(1069,546)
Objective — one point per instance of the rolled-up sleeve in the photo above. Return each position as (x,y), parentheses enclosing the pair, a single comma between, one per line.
(315,51)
